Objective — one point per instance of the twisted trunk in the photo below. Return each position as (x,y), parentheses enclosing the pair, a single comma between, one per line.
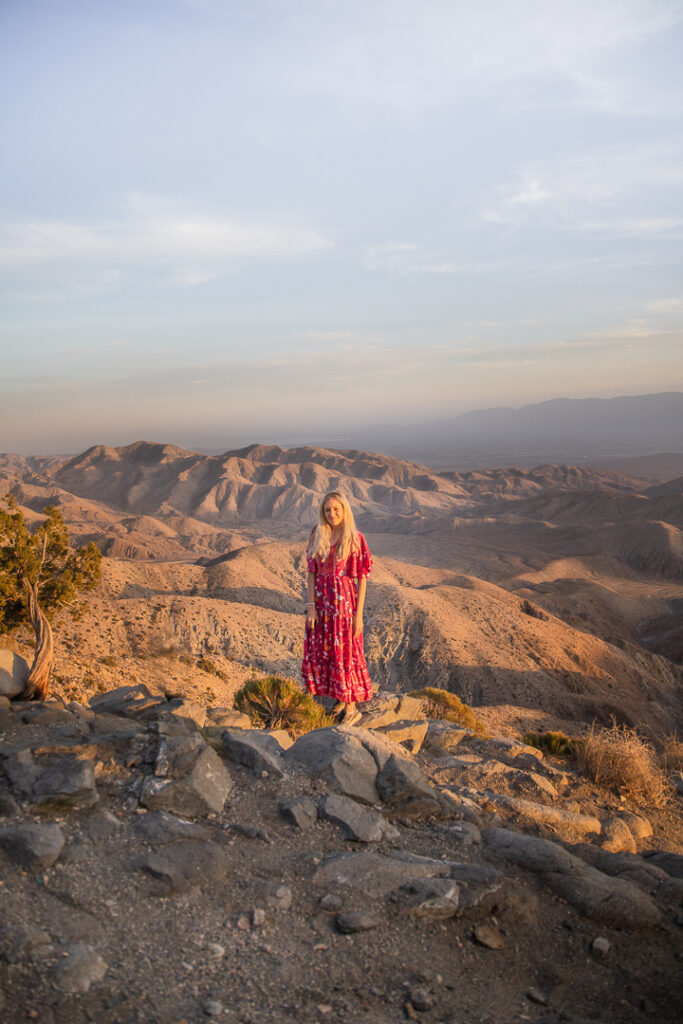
(38,682)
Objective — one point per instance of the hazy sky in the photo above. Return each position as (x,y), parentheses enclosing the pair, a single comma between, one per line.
(232,220)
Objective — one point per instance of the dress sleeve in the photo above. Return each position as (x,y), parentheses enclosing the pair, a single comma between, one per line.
(310,561)
(362,559)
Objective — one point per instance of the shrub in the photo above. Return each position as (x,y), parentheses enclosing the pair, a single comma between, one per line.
(672,753)
(556,743)
(448,706)
(279,703)
(109,660)
(618,758)
(206,665)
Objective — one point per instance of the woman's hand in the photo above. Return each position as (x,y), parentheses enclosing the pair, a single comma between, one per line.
(357,624)
(311,616)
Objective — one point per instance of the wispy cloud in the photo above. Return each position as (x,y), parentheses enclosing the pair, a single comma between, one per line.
(409,258)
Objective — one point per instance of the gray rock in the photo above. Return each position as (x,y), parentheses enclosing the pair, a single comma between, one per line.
(331,902)
(257,750)
(374,874)
(539,855)
(632,867)
(676,780)
(601,946)
(179,708)
(436,898)
(113,727)
(160,828)
(20,940)
(380,746)
(301,811)
(356,921)
(358,822)
(14,671)
(212,1008)
(21,770)
(101,824)
(184,864)
(126,700)
(462,833)
(639,826)
(340,759)
(202,791)
(410,734)
(227,718)
(443,737)
(616,836)
(404,789)
(672,863)
(80,968)
(421,999)
(67,782)
(32,846)
(176,755)
(566,822)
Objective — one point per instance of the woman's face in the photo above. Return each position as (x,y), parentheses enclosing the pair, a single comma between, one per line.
(333,511)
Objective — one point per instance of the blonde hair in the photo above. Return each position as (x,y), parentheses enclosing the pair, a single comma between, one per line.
(319,544)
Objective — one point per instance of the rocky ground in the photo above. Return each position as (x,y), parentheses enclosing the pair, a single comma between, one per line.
(162,863)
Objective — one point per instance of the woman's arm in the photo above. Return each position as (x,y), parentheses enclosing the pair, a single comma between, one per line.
(361,585)
(311,614)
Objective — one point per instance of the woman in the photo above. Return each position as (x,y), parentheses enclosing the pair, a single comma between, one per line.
(338,566)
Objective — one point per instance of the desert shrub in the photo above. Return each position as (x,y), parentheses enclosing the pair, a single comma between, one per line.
(206,665)
(279,703)
(672,753)
(618,758)
(185,659)
(534,611)
(448,706)
(109,660)
(556,743)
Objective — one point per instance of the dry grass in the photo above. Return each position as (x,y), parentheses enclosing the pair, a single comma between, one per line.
(556,743)
(618,758)
(279,703)
(672,753)
(442,704)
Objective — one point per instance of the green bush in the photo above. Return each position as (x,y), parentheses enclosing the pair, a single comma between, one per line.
(279,703)
(556,743)
(206,665)
(448,706)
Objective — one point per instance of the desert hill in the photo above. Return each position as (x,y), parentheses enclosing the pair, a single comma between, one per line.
(555,590)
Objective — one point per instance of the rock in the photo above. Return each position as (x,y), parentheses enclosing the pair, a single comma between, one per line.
(568,822)
(436,898)
(114,728)
(80,968)
(676,780)
(281,898)
(536,996)
(375,874)
(405,790)
(421,999)
(160,828)
(32,846)
(356,921)
(409,734)
(611,901)
(227,718)
(66,782)
(126,700)
(16,942)
(601,946)
(176,755)
(258,917)
(282,737)
(617,837)
(301,811)
(628,865)
(22,771)
(489,936)
(177,708)
(639,826)
(381,747)
(212,1008)
(257,750)
(443,737)
(331,902)
(462,833)
(14,671)
(202,791)
(184,864)
(340,759)
(358,822)
(672,863)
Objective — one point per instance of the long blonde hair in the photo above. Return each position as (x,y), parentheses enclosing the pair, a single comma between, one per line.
(319,544)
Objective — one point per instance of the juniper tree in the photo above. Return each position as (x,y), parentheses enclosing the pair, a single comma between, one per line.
(39,574)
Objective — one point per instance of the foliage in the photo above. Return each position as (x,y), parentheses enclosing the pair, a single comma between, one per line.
(206,665)
(279,703)
(557,743)
(672,753)
(44,560)
(618,758)
(109,660)
(447,706)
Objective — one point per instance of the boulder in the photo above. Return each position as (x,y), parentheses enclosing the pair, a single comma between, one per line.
(338,757)
(257,750)
(568,822)
(79,967)
(358,822)
(126,700)
(184,864)
(227,718)
(202,790)
(639,826)
(67,782)
(405,790)
(374,874)
(409,734)
(436,898)
(159,828)
(672,863)
(175,709)
(443,737)
(616,836)
(14,671)
(301,811)
(34,847)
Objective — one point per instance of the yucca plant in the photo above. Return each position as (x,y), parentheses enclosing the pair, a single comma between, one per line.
(447,706)
(279,703)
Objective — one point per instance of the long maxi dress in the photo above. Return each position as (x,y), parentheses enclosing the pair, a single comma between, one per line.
(334,662)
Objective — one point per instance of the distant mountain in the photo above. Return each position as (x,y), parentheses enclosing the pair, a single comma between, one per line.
(558,430)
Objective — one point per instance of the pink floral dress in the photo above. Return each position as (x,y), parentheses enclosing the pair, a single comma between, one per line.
(334,663)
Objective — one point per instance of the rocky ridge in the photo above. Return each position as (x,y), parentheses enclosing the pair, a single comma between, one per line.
(163,862)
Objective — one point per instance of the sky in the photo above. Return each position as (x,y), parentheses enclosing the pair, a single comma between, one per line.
(225,221)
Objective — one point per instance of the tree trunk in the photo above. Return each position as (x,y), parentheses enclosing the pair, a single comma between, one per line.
(38,682)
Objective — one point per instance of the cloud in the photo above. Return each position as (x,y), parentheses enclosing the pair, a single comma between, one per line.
(189,245)
(409,258)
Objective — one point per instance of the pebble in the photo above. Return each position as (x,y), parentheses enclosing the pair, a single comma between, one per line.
(421,999)
(258,917)
(243,923)
(324,1008)
(216,949)
(212,1008)
(601,946)
(331,902)
(537,996)
(487,935)
(355,921)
